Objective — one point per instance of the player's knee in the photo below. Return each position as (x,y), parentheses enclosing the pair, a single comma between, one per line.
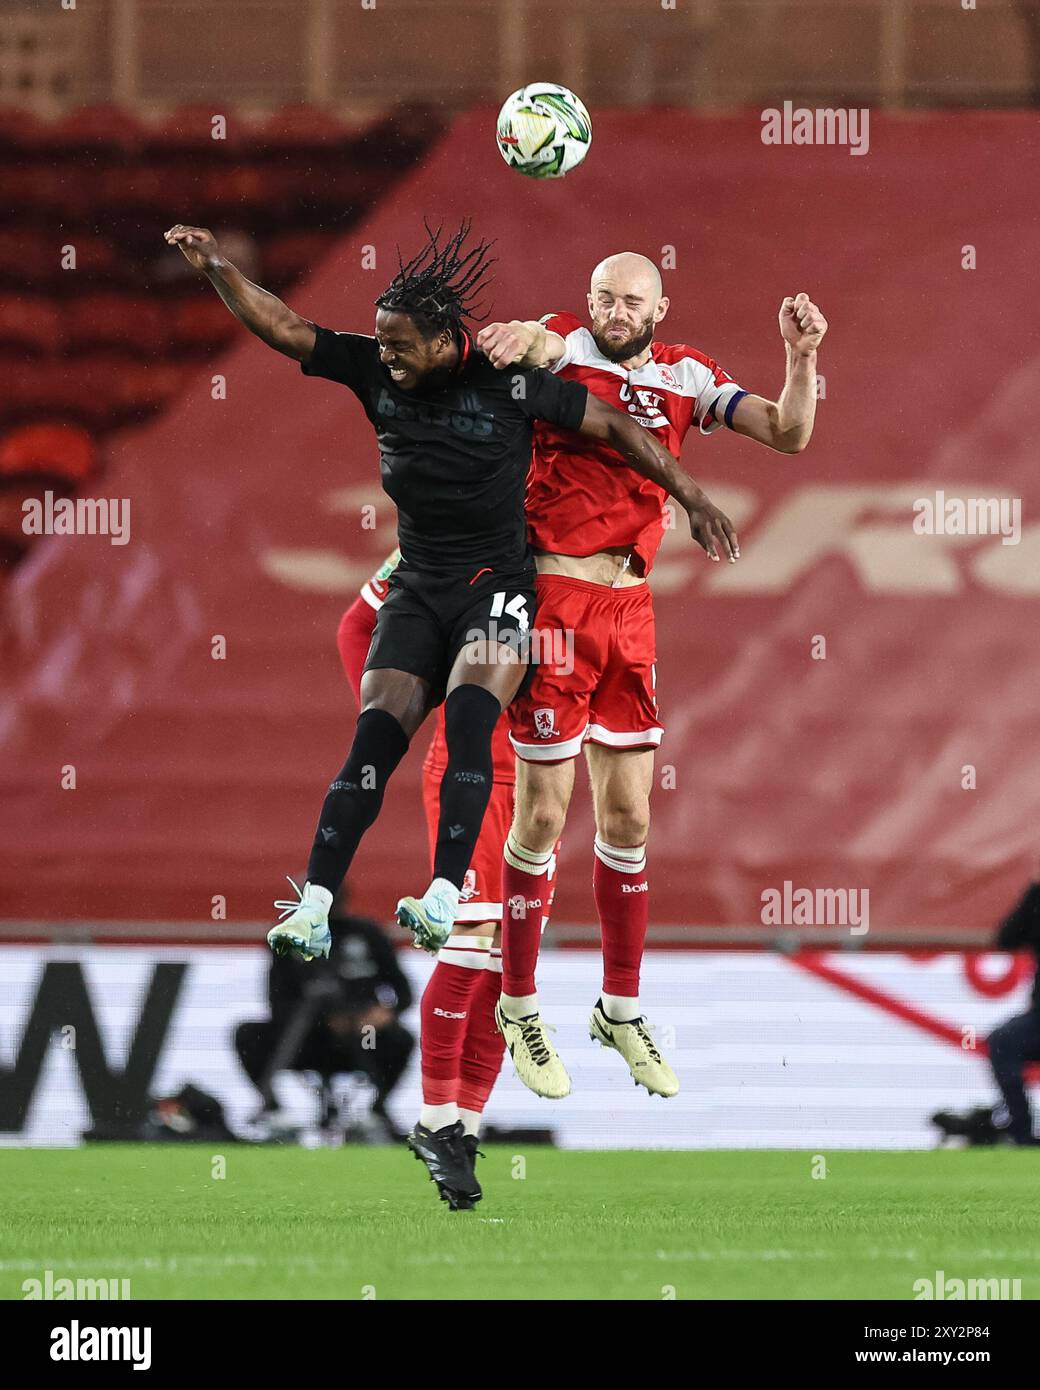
(538,823)
(349,799)
(626,824)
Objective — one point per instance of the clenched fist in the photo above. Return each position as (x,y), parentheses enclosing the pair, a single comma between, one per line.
(505,343)
(801,323)
(199,246)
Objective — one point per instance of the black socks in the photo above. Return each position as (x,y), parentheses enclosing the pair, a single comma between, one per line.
(470,716)
(354,798)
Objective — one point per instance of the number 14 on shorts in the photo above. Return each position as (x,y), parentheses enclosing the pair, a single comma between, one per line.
(516,608)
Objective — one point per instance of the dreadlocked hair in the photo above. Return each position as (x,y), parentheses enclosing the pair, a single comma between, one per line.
(442,285)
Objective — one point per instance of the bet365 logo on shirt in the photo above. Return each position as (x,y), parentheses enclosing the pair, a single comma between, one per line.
(480,424)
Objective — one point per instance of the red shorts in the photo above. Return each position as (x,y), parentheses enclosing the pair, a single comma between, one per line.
(481,897)
(607,638)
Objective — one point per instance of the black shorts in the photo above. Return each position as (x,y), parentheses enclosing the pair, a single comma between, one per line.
(427,620)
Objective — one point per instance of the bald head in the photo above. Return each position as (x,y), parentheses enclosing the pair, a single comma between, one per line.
(628,270)
(626,304)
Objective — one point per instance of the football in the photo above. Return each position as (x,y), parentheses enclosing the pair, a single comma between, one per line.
(544,131)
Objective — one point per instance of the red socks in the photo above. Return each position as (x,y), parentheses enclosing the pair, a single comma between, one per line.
(621,890)
(526,889)
(445,1012)
(461,1045)
(621,887)
(484,1045)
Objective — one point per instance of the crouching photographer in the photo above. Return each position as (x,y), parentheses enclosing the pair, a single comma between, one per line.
(1017,1042)
(335,1016)
(1012,1046)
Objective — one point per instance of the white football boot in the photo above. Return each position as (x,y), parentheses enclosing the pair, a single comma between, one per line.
(304,927)
(431,917)
(536,1061)
(635,1043)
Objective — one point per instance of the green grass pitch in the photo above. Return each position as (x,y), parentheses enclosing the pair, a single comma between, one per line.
(356,1223)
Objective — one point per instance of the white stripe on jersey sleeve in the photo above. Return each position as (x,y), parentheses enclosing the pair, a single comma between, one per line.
(688,377)
(577,346)
(694,380)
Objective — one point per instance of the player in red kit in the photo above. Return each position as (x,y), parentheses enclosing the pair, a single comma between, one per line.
(595,527)
(462,1046)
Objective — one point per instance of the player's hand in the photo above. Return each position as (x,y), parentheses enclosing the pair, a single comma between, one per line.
(709,525)
(505,343)
(199,246)
(801,323)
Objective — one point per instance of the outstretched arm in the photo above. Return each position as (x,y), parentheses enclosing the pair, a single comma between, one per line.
(787,424)
(520,344)
(262,313)
(645,456)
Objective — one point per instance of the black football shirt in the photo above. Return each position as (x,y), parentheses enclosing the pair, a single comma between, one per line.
(454,459)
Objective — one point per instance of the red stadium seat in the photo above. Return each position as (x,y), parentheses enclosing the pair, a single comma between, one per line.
(31,323)
(27,258)
(85,391)
(20,130)
(35,189)
(238,190)
(32,258)
(95,255)
(62,192)
(12,518)
(200,324)
(288,256)
(61,451)
(302,127)
(104,127)
(190,128)
(113,320)
(399,136)
(142,387)
(19,375)
(134,186)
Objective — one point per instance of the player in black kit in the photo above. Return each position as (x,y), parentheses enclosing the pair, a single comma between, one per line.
(454,439)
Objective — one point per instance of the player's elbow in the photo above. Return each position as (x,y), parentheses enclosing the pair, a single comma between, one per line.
(786,439)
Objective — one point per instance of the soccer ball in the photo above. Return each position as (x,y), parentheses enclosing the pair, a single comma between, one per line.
(544,131)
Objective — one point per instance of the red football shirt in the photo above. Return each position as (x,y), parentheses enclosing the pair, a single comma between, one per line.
(582,496)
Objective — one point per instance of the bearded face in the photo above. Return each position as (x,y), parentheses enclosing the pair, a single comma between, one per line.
(619,339)
(625,305)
